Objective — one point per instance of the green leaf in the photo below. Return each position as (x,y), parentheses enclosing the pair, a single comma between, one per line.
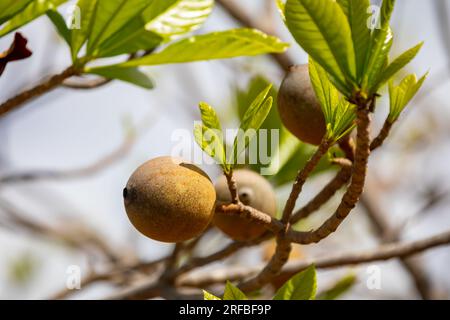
(243,99)
(217,45)
(80,35)
(161,21)
(209,116)
(128,40)
(379,53)
(210,142)
(398,64)
(386,12)
(339,114)
(131,75)
(9,8)
(60,24)
(379,49)
(233,293)
(339,288)
(281,6)
(302,286)
(322,30)
(110,17)
(357,15)
(34,10)
(402,94)
(209,296)
(251,122)
(180,18)
(326,93)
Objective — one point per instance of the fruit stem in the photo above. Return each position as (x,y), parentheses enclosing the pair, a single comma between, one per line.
(232,186)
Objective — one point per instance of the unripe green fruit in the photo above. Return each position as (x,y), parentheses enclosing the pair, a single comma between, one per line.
(299,108)
(169,200)
(254,191)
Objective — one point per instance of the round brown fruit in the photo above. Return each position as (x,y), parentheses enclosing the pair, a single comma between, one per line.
(254,191)
(169,200)
(299,108)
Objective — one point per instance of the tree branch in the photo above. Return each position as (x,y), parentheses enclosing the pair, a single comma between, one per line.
(379,140)
(283,248)
(354,191)
(380,253)
(16,102)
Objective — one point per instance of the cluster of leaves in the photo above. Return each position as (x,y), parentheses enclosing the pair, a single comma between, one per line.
(302,286)
(210,138)
(111,28)
(337,36)
(339,114)
(289,153)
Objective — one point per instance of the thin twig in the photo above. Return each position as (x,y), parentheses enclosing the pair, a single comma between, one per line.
(387,235)
(379,140)
(89,170)
(380,253)
(52,83)
(86,84)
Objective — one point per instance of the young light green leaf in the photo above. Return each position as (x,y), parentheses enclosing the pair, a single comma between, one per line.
(209,116)
(60,24)
(131,75)
(379,53)
(80,35)
(386,12)
(211,143)
(254,108)
(111,16)
(402,94)
(180,18)
(397,65)
(339,288)
(322,30)
(34,10)
(249,127)
(217,45)
(281,6)
(326,93)
(357,15)
(233,293)
(343,120)
(339,114)
(380,46)
(209,296)
(302,286)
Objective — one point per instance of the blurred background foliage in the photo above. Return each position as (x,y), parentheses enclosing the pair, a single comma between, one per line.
(74,141)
